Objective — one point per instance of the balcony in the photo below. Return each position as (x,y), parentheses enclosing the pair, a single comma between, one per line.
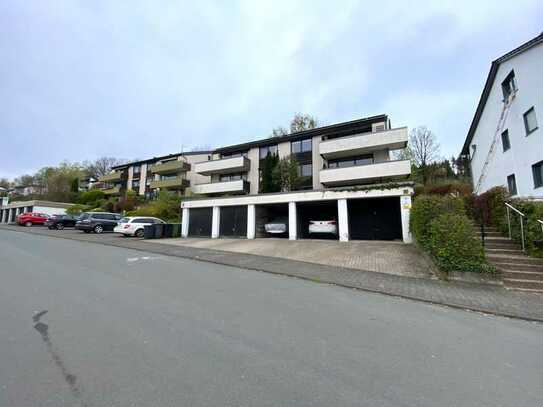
(113,177)
(363,143)
(171,183)
(170,166)
(365,173)
(228,187)
(112,191)
(223,166)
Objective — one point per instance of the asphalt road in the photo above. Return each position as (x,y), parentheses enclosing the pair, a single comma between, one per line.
(92,325)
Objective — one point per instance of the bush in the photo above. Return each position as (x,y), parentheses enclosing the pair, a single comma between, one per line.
(76,209)
(532,228)
(454,245)
(428,207)
(89,197)
(166,207)
(455,188)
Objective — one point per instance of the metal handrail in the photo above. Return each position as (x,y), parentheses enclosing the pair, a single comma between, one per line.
(522,216)
(540,221)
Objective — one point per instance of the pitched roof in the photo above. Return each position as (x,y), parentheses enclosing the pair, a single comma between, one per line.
(490,81)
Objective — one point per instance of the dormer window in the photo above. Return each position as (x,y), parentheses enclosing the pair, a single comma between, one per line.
(509,85)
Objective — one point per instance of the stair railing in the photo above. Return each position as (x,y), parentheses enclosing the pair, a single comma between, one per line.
(510,208)
(541,222)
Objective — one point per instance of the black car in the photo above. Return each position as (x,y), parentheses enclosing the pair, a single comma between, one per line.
(97,222)
(60,222)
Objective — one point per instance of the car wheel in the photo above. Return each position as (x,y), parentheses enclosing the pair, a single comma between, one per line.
(98,229)
(28,224)
(139,233)
(60,226)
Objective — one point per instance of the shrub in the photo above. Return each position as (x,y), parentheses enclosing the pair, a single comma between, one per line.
(454,245)
(166,207)
(428,207)
(455,188)
(76,209)
(88,197)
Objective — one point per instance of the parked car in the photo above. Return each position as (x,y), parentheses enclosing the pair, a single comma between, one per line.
(97,222)
(134,225)
(32,218)
(323,226)
(60,222)
(277,226)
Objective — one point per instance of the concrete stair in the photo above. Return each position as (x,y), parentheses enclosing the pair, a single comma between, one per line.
(519,271)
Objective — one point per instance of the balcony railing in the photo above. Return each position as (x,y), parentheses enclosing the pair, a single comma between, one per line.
(171,183)
(114,176)
(112,191)
(363,143)
(228,187)
(364,173)
(223,166)
(170,166)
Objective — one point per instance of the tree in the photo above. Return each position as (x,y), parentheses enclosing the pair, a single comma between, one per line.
(4,183)
(25,180)
(423,149)
(279,131)
(286,173)
(101,166)
(301,122)
(269,181)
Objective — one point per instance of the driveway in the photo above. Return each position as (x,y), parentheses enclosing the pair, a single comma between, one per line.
(378,256)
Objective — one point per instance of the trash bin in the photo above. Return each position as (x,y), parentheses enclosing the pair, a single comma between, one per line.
(149,232)
(176,232)
(159,230)
(168,230)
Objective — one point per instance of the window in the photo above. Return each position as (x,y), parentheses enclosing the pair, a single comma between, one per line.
(530,121)
(537,171)
(230,177)
(508,85)
(506,144)
(351,162)
(137,169)
(300,146)
(305,170)
(135,184)
(235,154)
(512,184)
(264,151)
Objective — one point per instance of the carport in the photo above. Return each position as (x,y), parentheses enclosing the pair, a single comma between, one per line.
(374,219)
(200,222)
(277,213)
(315,210)
(233,221)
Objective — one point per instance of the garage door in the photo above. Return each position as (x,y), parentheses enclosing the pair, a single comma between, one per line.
(200,222)
(233,221)
(375,219)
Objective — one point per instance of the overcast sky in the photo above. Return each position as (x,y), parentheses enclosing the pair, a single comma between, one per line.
(136,79)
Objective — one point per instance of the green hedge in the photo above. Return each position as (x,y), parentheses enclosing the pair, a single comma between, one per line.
(441,226)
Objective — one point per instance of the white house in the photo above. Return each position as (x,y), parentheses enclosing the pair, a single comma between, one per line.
(505,139)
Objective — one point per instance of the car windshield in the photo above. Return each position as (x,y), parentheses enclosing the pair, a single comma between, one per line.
(125,220)
(84,216)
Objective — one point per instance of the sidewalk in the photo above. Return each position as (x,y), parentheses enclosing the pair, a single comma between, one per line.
(484,298)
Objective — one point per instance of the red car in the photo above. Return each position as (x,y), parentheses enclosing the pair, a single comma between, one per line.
(32,218)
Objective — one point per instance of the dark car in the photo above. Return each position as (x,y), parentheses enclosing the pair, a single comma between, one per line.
(60,222)
(97,222)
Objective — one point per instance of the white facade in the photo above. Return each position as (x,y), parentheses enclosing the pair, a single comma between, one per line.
(11,210)
(525,149)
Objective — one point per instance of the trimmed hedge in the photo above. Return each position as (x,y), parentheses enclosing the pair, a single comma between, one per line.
(441,226)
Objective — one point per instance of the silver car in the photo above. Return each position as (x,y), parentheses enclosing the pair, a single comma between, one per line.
(277,226)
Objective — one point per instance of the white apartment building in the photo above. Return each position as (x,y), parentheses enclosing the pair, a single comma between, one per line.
(505,139)
(171,172)
(346,176)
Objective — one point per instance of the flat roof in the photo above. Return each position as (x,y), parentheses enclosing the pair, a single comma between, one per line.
(162,157)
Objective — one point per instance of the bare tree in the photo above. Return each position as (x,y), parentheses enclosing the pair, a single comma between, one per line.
(423,149)
(279,131)
(102,166)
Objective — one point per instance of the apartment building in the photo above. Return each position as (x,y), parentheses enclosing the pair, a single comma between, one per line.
(505,142)
(348,178)
(146,177)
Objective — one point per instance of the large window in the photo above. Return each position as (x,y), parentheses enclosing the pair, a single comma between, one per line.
(512,184)
(530,121)
(230,177)
(137,169)
(300,146)
(305,170)
(264,151)
(537,171)
(509,85)
(135,184)
(506,144)
(351,162)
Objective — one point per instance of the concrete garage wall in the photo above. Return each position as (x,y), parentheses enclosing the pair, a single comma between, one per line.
(49,211)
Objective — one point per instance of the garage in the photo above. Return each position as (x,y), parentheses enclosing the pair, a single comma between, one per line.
(317,211)
(276,216)
(374,219)
(233,221)
(200,222)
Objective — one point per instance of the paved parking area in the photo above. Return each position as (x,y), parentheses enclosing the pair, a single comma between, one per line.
(378,256)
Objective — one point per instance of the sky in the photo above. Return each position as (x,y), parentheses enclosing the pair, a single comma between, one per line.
(137,79)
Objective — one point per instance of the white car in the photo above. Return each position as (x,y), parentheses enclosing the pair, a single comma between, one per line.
(134,225)
(323,226)
(277,226)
